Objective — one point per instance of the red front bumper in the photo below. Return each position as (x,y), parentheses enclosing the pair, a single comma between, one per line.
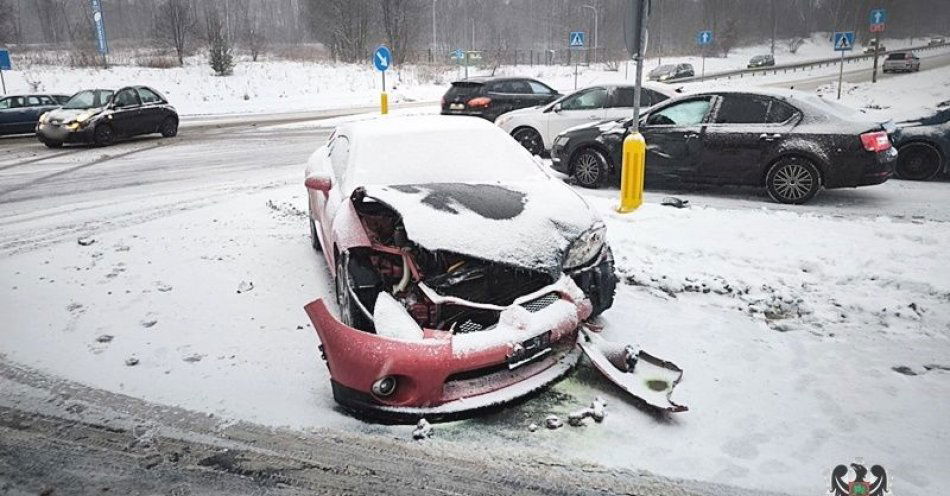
(445,375)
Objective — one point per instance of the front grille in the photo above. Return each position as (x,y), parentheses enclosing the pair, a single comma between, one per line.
(469,326)
(538,304)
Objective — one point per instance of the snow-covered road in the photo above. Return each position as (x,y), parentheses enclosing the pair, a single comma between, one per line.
(789,321)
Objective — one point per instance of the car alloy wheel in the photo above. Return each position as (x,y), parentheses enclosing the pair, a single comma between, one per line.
(918,162)
(530,140)
(793,181)
(104,135)
(589,168)
(169,128)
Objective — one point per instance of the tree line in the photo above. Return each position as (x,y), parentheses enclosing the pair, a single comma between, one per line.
(416,29)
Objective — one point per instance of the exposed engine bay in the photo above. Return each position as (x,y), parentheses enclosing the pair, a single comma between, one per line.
(446,291)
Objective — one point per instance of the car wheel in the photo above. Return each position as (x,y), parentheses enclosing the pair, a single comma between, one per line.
(589,168)
(918,162)
(104,135)
(793,180)
(350,314)
(530,139)
(314,238)
(169,128)
(53,144)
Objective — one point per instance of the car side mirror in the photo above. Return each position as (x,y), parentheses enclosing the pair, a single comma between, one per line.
(318,182)
(556,108)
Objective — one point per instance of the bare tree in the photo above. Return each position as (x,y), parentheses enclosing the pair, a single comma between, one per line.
(397,19)
(174,24)
(8,22)
(343,24)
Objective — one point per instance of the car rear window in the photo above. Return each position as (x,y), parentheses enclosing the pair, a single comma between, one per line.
(897,56)
(743,109)
(464,89)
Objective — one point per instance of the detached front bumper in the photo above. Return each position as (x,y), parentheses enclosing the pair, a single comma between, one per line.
(444,375)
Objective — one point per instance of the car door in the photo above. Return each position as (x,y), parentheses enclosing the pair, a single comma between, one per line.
(503,98)
(743,133)
(14,112)
(673,133)
(582,107)
(153,111)
(127,111)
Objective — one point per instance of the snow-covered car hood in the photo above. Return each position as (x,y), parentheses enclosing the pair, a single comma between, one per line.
(528,224)
(67,115)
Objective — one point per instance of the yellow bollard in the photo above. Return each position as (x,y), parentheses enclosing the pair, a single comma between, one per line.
(631,173)
(384,103)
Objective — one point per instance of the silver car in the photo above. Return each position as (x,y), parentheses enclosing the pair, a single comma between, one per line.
(902,61)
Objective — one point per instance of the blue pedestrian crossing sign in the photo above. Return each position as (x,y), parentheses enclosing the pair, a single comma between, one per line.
(878,16)
(576,40)
(844,41)
(382,58)
(704,37)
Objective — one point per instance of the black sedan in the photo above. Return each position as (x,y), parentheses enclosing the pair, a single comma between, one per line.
(19,113)
(924,145)
(490,97)
(102,116)
(671,72)
(791,143)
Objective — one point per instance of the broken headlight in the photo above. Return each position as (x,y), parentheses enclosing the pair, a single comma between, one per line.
(585,247)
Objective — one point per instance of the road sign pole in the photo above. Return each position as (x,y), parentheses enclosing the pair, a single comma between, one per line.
(3,82)
(633,159)
(384,97)
(840,75)
(877,43)
(702,74)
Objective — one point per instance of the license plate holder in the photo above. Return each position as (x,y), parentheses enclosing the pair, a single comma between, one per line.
(456,106)
(529,350)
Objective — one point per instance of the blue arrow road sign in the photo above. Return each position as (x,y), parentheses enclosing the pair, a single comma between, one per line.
(5,64)
(100,23)
(382,58)
(576,40)
(878,16)
(844,41)
(704,37)
(458,54)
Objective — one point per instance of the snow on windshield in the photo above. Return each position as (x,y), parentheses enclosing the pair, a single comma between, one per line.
(422,150)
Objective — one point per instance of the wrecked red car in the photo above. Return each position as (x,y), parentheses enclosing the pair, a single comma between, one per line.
(462,270)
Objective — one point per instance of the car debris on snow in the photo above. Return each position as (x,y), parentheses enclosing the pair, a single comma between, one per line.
(105,338)
(245,286)
(672,201)
(423,430)
(132,362)
(149,323)
(596,411)
(903,369)
(86,241)
(553,422)
(532,427)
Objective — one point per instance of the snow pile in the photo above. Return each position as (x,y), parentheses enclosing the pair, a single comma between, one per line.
(900,97)
(393,321)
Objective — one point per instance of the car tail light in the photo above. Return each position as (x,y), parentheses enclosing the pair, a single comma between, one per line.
(482,101)
(876,141)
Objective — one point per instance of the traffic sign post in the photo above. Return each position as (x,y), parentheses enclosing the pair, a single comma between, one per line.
(576,42)
(5,65)
(100,24)
(633,158)
(704,38)
(843,42)
(878,20)
(382,59)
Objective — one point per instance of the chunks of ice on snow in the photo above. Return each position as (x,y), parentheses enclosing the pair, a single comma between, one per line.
(423,429)
(553,422)
(393,321)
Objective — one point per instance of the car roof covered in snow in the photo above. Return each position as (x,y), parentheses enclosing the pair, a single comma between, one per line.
(433,149)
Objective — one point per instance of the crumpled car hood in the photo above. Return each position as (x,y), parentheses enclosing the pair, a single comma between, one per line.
(67,115)
(528,224)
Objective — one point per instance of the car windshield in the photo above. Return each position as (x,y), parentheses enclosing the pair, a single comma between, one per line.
(89,99)
(410,156)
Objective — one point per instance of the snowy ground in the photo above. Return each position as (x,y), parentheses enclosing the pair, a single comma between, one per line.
(810,335)
(281,86)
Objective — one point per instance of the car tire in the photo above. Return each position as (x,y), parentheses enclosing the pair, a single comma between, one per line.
(530,139)
(53,144)
(103,135)
(350,313)
(169,128)
(589,168)
(918,161)
(793,180)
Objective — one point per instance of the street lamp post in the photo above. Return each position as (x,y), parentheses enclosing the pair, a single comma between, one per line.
(596,38)
(435,45)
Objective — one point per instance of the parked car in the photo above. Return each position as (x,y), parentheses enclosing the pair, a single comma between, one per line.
(761,61)
(103,116)
(671,72)
(924,145)
(461,285)
(874,46)
(791,143)
(536,127)
(490,97)
(936,41)
(901,61)
(19,113)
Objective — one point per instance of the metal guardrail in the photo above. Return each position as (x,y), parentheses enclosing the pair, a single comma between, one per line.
(786,68)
